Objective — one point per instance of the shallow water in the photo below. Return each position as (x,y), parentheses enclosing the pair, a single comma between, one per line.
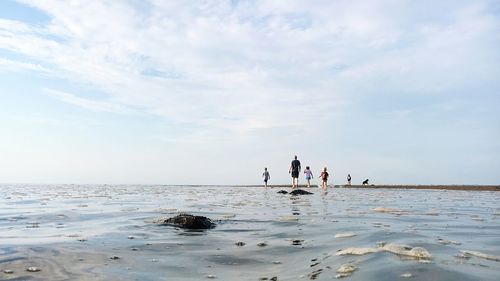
(70,232)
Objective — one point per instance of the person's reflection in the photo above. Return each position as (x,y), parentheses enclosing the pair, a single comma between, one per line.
(324,201)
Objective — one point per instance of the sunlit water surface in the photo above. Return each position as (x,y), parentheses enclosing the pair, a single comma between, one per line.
(72,232)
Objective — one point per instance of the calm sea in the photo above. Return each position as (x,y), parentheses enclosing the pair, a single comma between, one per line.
(107,232)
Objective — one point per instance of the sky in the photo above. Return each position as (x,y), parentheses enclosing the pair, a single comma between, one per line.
(211,92)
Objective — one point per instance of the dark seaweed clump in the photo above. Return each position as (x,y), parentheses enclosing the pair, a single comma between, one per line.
(300,192)
(190,222)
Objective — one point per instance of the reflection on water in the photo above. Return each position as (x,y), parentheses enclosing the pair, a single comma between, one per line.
(110,233)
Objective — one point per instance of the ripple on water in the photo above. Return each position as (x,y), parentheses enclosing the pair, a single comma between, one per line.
(447,225)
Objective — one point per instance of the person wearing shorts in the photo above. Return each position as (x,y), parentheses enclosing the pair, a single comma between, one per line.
(266,176)
(309,175)
(324,178)
(294,171)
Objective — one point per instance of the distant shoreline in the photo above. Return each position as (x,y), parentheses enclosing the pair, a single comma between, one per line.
(442,187)
(313,186)
(400,186)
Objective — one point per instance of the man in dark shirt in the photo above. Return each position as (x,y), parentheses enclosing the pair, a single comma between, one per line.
(295,171)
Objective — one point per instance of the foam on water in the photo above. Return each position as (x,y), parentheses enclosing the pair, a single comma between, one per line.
(110,233)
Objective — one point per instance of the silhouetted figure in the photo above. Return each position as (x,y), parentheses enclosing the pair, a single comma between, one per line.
(348,179)
(324,178)
(266,176)
(295,170)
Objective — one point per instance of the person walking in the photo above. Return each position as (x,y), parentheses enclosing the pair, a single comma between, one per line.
(324,178)
(266,176)
(294,171)
(309,175)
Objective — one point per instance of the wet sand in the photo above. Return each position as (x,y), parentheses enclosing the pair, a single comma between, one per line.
(396,186)
(279,186)
(441,187)
(88,232)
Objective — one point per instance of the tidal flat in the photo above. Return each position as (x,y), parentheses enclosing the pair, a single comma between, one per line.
(111,232)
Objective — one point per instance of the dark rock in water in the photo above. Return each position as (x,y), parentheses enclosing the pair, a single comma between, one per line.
(190,222)
(241,244)
(283,192)
(300,192)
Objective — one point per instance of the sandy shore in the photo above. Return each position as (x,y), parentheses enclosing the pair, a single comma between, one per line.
(282,186)
(397,186)
(442,187)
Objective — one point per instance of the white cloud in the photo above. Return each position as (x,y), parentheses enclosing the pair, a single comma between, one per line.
(253,82)
(13,26)
(14,65)
(248,66)
(99,106)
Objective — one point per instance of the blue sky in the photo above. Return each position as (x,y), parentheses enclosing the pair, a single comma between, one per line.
(211,92)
